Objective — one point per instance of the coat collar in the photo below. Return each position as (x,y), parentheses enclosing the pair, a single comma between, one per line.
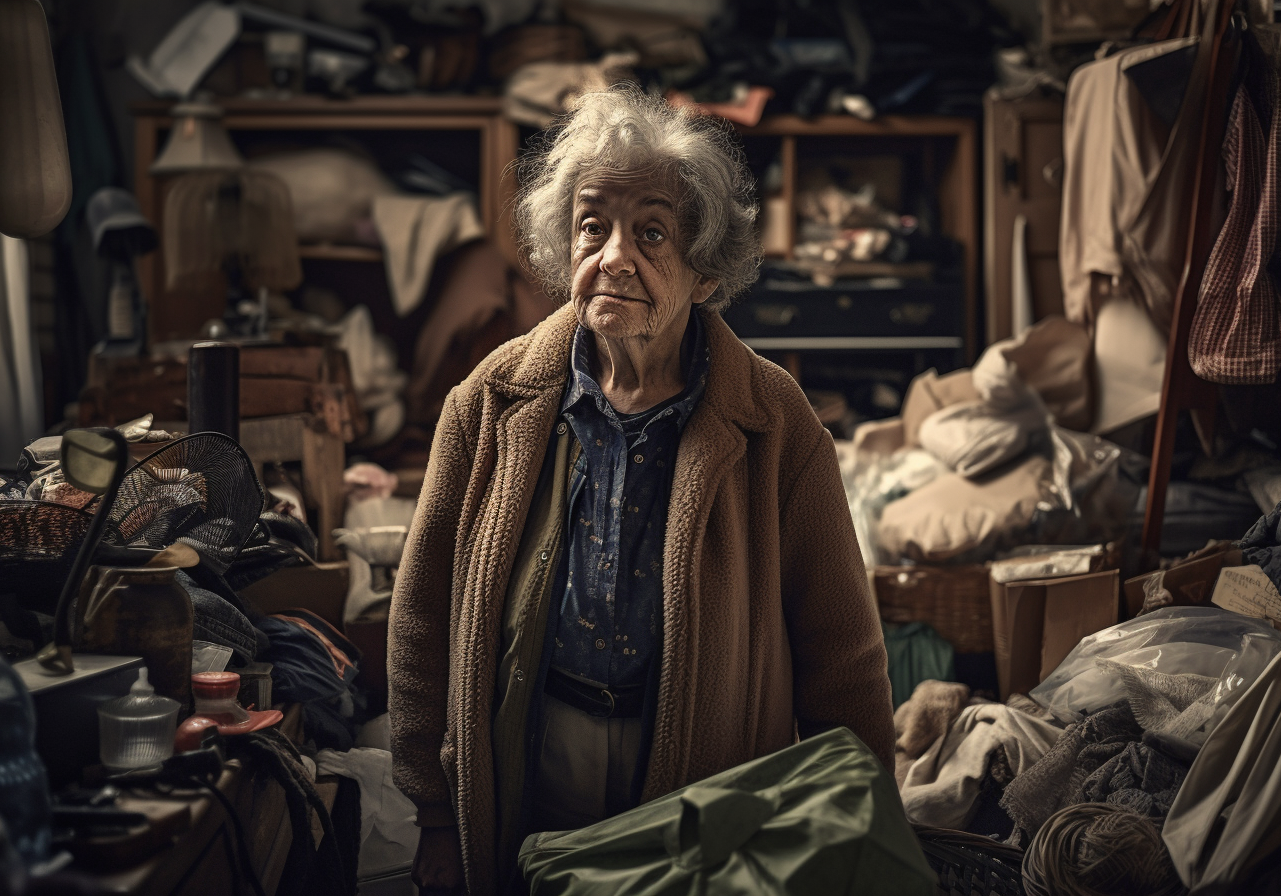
(733,378)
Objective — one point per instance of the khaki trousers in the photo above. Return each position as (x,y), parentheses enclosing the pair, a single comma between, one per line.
(586,767)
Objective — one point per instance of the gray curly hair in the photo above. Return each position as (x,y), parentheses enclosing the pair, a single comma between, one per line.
(625,130)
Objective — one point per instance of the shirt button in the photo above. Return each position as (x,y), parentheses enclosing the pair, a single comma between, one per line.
(639,459)
(520,676)
(561,429)
(543,556)
(600,643)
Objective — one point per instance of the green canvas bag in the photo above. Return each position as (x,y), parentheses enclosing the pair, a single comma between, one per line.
(819,817)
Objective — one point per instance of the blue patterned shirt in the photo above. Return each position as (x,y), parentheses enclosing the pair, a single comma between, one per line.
(609,626)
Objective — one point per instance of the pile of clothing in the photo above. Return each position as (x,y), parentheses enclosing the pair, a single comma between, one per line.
(986,459)
(1154,716)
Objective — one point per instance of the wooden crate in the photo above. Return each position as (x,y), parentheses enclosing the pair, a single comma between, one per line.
(274,381)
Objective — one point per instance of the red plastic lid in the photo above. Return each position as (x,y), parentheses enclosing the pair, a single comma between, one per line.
(215,685)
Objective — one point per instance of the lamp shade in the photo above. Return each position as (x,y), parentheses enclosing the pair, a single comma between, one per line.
(35,174)
(197,142)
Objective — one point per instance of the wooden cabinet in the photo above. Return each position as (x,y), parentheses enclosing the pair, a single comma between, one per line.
(468,134)
(1023,176)
(891,318)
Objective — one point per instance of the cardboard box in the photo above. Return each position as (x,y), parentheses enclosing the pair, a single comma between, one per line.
(1191,584)
(1051,562)
(320,588)
(1036,623)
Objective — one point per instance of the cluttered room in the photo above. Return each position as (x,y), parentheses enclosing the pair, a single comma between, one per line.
(388,386)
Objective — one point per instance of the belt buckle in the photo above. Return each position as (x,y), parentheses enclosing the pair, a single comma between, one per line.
(610,697)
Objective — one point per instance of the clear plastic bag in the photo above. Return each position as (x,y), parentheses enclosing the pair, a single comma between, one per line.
(872,484)
(1205,641)
(1090,494)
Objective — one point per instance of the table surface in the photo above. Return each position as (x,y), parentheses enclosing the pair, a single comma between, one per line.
(201,858)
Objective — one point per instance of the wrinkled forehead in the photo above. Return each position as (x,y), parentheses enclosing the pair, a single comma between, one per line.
(653,186)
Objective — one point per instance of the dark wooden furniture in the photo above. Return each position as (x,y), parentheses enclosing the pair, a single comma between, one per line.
(1182,389)
(1022,175)
(948,149)
(473,125)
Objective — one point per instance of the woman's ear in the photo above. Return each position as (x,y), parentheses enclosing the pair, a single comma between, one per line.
(703,289)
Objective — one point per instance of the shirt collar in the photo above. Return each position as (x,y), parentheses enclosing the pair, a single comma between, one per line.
(582,385)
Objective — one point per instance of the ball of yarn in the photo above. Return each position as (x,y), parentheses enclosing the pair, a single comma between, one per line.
(1097,849)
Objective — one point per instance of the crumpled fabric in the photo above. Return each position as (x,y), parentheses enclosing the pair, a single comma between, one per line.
(923,719)
(540,91)
(218,621)
(916,653)
(1236,330)
(304,670)
(1262,545)
(818,816)
(1174,705)
(972,439)
(388,834)
(378,382)
(1102,758)
(977,437)
(1227,816)
(1138,778)
(415,232)
(942,787)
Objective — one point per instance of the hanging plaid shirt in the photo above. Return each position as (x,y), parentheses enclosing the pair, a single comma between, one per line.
(609,626)
(1236,330)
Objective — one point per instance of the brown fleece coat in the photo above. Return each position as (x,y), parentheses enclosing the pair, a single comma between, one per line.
(768,625)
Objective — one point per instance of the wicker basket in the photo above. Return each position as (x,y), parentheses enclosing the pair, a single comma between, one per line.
(955,600)
(970,865)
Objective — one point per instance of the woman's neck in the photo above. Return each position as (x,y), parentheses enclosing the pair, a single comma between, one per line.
(637,373)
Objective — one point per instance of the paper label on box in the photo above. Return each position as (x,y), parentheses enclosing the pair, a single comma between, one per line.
(1247,590)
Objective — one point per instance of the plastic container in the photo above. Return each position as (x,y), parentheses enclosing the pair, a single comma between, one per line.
(215,695)
(24,786)
(136,730)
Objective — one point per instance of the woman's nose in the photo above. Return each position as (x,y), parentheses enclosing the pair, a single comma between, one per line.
(616,258)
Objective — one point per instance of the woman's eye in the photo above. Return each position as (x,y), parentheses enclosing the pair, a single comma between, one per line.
(652,235)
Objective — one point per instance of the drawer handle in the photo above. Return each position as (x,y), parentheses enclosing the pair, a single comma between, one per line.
(911,313)
(775,315)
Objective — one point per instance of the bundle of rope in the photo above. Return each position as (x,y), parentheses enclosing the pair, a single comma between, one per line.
(1098,849)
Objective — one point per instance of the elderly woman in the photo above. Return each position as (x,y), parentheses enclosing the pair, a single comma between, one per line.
(632,564)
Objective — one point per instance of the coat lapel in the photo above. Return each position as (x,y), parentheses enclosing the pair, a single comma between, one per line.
(713,444)
(519,409)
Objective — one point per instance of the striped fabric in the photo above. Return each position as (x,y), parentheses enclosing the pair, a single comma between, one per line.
(1236,332)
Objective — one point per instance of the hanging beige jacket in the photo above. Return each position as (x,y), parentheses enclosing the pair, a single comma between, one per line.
(1126,180)
(768,624)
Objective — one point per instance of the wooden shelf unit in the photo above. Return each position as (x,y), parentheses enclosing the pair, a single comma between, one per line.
(958,196)
(499,146)
(174,316)
(335,252)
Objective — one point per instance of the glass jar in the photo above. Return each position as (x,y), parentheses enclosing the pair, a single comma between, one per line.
(136,730)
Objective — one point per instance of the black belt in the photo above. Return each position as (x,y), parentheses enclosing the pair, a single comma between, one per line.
(603,703)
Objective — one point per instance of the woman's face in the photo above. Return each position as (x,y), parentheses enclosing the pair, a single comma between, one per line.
(628,274)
